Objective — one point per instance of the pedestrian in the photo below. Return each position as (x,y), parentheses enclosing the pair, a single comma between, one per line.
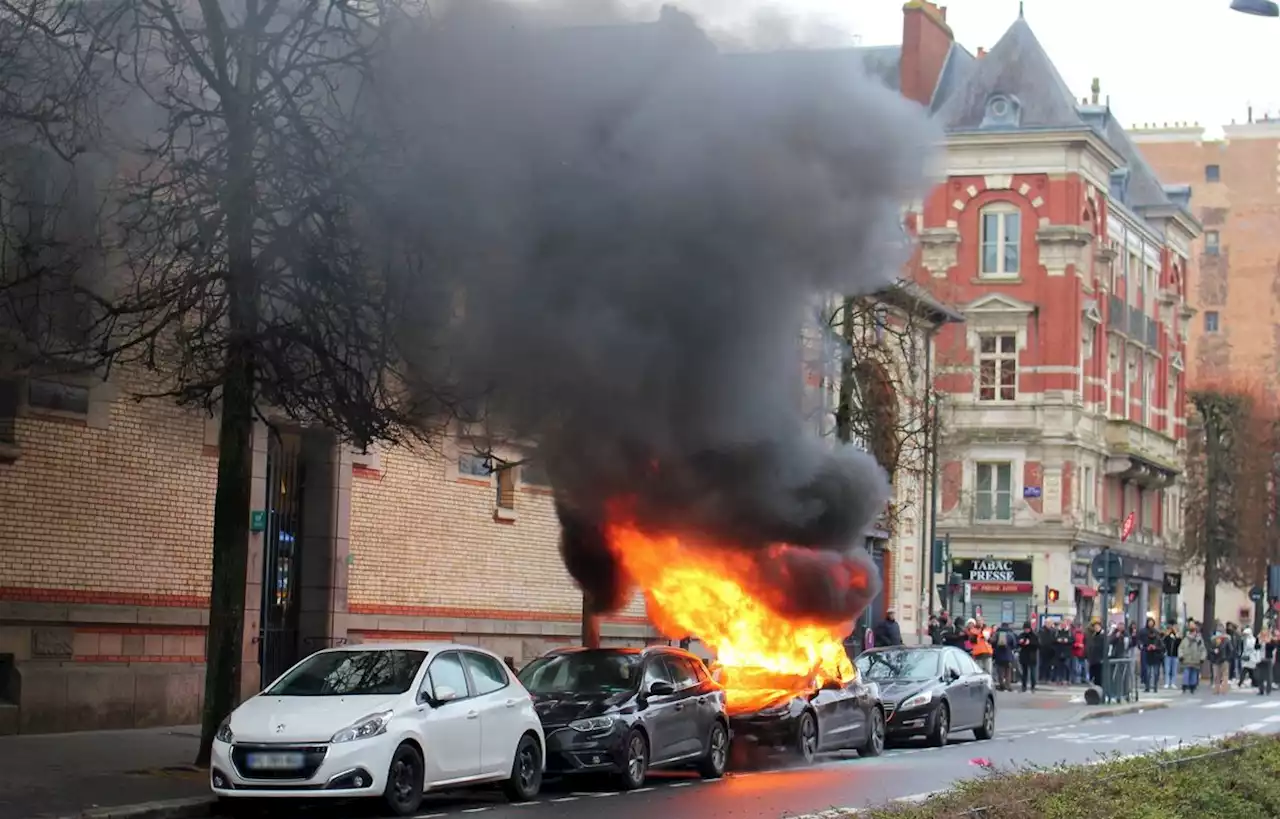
(1269,643)
(888,632)
(1152,647)
(1062,653)
(1079,668)
(1171,643)
(1236,648)
(1029,655)
(1095,650)
(1004,649)
(981,648)
(1191,655)
(1046,635)
(934,632)
(1247,661)
(1218,654)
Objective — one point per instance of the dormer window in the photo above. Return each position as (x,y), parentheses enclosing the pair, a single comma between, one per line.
(1002,111)
(1120,185)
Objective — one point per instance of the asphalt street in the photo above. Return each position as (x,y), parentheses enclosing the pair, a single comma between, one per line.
(909,772)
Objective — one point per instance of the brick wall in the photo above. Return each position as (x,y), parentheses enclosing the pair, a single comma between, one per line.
(430,542)
(119,514)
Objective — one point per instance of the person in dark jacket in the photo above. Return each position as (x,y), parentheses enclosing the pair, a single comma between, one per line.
(1171,641)
(1265,671)
(1095,651)
(887,631)
(1046,635)
(1029,655)
(1004,647)
(1062,653)
(1151,644)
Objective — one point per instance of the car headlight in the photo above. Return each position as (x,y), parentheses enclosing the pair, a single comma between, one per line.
(917,700)
(224,732)
(363,728)
(593,725)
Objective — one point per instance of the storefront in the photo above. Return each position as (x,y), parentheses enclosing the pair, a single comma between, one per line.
(998,589)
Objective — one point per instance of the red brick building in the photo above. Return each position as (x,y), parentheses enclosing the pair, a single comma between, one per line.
(1068,258)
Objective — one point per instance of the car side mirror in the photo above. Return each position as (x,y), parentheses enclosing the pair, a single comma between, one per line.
(442,695)
(661,689)
(952,675)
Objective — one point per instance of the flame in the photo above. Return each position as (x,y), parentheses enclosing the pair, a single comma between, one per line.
(703,591)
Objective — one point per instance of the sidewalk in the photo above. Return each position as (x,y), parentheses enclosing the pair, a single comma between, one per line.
(1054,705)
(72,774)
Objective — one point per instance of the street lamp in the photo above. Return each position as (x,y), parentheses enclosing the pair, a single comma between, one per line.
(1258,8)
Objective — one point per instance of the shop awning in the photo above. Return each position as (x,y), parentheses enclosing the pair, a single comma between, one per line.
(1086,591)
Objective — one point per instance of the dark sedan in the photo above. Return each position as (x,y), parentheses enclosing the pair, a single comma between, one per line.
(931,691)
(816,719)
(624,711)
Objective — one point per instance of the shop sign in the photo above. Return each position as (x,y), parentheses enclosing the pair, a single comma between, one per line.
(989,575)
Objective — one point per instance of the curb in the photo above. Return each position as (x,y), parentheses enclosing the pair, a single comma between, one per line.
(1135,708)
(190,808)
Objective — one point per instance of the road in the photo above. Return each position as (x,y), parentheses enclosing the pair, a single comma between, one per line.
(1023,737)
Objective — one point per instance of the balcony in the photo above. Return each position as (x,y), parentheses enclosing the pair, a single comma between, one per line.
(1140,455)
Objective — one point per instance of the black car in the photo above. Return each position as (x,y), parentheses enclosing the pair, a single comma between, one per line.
(624,711)
(820,718)
(931,691)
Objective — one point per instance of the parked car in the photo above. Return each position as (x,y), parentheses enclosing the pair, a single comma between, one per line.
(390,720)
(624,711)
(931,691)
(819,717)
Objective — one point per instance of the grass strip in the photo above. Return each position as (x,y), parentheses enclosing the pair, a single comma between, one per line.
(1236,778)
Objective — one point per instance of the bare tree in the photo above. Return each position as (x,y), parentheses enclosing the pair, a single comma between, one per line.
(1230,508)
(246,282)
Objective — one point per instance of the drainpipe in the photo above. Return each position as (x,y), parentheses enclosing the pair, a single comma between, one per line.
(930,494)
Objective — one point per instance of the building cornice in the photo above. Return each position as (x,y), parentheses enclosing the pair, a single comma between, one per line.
(1085,137)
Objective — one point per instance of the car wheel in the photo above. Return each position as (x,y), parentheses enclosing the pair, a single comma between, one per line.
(403,794)
(526,771)
(716,760)
(807,737)
(874,745)
(988,728)
(635,764)
(941,727)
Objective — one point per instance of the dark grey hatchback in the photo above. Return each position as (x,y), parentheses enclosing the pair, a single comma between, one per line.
(624,711)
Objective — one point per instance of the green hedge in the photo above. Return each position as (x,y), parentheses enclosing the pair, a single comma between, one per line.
(1238,778)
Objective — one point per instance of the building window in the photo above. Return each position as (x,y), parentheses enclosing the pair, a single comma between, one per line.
(506,488)
(994,494)
(1212,173)
(534,474)
(997,367)
(1001,241)
(474,466)
(1088,490)
(1148,392)
(1211,321)
(1172,409)
(1211,240)
(55,396)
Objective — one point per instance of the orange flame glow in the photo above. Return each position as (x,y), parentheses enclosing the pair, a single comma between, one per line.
(696,590)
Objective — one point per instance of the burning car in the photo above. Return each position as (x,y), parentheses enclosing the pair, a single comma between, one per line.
(624,711)
(803,715)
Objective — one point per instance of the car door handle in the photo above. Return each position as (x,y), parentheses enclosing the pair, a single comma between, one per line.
(512,703)
(473,714)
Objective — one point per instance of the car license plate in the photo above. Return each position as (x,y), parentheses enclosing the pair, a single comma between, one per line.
(274,762)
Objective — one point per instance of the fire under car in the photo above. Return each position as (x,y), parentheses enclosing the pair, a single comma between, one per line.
(800,716)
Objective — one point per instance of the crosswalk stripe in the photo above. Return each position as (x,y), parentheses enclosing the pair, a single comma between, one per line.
(1272,720)
(1225,704)
(1267,704)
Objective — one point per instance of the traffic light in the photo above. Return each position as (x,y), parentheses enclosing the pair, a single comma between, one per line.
(1132,594)
(1052,596)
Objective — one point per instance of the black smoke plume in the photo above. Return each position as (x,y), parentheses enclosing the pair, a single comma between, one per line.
(632,230)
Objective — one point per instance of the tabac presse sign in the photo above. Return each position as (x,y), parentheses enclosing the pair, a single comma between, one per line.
(994,575)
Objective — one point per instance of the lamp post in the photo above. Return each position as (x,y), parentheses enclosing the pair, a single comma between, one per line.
(1258,8)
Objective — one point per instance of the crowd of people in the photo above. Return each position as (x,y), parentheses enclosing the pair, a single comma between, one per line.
(1062,652)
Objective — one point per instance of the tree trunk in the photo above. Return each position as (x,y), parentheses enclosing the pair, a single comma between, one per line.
(225,646)
(1212,526)
(844,391)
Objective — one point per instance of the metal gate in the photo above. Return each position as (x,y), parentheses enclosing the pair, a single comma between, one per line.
(281,571)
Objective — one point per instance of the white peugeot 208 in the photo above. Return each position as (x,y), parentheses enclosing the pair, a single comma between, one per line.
(392,720)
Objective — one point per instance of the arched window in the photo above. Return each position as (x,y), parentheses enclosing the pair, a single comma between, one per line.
(1001,241)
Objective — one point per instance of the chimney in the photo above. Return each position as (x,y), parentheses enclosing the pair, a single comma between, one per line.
(982,52)
(926,41)
(1096,89)
(1250,113)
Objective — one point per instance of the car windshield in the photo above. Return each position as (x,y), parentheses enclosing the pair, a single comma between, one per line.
(899,665)
(351,673)
(583,672)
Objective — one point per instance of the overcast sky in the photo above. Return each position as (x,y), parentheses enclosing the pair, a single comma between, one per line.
(1159,60)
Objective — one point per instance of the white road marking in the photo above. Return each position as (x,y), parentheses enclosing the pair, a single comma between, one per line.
(646,790)
(1225,704)
(1272,719)
(680,784)
(602,795)
(524,804)
(1254,727)
(478,810)
(430,816)
(566,799)
(1266,705)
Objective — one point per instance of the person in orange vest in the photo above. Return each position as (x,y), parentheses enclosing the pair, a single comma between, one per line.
(981,642)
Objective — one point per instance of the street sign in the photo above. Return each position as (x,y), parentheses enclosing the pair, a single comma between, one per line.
(1172,583)
(258,520)
(1256,594)
(1031,492)
(1107,567)
(1127,528)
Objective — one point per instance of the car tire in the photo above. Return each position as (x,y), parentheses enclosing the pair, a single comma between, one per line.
(807,737)
(635,762)
(713,764)
(526,771)
(988,727)
(940,731)
(404,790)
(874,746)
